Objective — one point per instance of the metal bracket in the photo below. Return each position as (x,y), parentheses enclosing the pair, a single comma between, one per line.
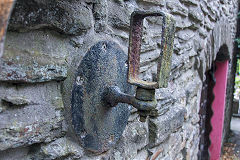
(101,93)
(164,61)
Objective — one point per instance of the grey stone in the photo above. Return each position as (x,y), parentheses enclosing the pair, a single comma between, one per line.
(177,65)
(61,148)
(196,14)
(199,44)
(2,109)
(100,13)
(156,2)
(213,10)
(192,53)
(16,153)
(176,144)
(142,154)
(223,1)
(190,132)
(148,57)
(119,16)
(134,138)
(185,48)
(203,6)
(148,45)
(225,10)
(190,2)
(170,148)
(177,8)
(185,35)
(161,127)
(63,16)
(34,57)
(16,100)
(33,123)
(203,32)
(120,2)
(209,25)
(182,23)
(137,132)
(121,36)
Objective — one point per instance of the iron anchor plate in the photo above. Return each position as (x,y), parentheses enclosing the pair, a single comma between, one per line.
(97,125)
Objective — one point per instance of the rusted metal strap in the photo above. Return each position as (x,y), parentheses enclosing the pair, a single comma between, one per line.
(5,11)
(164,61)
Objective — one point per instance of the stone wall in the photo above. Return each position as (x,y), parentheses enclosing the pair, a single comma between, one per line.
(46,41)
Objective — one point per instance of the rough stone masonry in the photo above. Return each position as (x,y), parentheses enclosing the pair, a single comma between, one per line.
(46,41)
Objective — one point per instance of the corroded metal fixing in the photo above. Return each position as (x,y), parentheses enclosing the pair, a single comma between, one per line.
(164,61)
(144,101)
(101,94)
(113,96)
(99,126)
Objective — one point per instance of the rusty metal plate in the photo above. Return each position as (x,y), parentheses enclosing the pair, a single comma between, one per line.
(97,125)
(164,61)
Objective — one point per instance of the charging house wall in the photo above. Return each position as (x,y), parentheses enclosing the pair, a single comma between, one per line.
(46,41)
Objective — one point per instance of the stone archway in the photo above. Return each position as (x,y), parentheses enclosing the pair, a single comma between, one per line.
(212,106)
(218,51)
(218,108)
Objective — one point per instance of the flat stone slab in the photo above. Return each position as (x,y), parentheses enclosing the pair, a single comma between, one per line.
(33,57)
(161,127)
(35,122)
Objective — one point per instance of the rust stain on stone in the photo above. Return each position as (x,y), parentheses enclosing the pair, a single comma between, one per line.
(155,156)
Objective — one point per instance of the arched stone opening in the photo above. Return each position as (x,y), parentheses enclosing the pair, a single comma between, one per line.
(218,107)
(213,106)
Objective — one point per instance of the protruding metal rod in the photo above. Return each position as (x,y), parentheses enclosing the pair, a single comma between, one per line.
(113,96)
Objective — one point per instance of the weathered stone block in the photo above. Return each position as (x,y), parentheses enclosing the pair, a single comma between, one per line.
(185,48)
(34,57)
(16,153)
(185,35)
(190,2)
(63,16)
(100,13)
(143,154)
(213,10)
(203,32)
(119,16)
(196,14)
(203,6)
(61,148)
(134,138)
(177,8)
(16,100)
(39,121)
(156,2)
(161,127)
(148,45)
(175,144)
(209,25)
(182,23)
(190,135)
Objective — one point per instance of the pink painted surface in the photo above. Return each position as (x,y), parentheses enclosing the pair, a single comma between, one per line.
(218,107)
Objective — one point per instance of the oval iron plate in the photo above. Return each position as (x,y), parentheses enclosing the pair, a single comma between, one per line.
(97,125)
